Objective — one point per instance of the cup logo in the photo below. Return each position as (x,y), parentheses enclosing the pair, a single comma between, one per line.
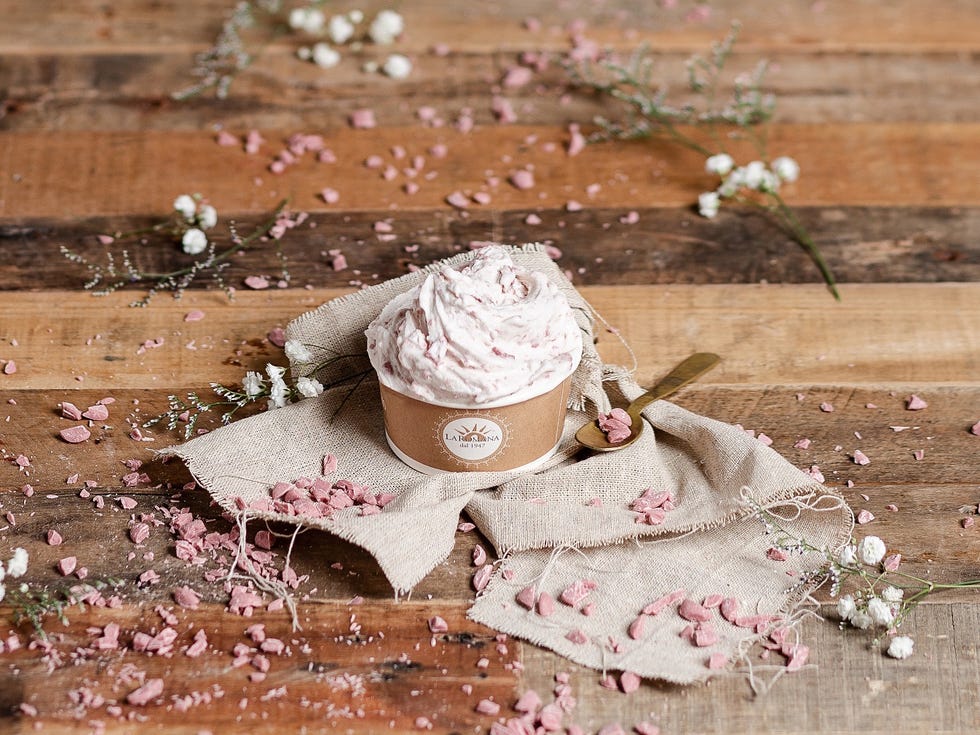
(472,438)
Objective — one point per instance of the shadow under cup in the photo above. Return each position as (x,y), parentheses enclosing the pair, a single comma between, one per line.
(433,438)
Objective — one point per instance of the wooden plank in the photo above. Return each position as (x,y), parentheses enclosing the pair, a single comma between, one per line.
(900,164)
(131,91)
(903,336)
(377,679)
(902,24)
(846,690)
(941,431)
(862,245)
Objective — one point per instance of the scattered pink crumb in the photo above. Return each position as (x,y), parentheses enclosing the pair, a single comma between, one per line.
(576,141)
(914,403)
(146,693)
(892,507)
(438,625)
(482,577)
(691,610)
(975,429)
(636,628)
(54,538)
(860,458)
(798,654)
(660,604)
(802,444)
(546,605)
(629,682)
(194,315)
(186,597)
(577,636)
(488,707)
(865,516)
(717,660)
(527,597)
(277,336)
(891,562)
(256,282)
(458,199)
(330,196)
(105,239)
(363,119)
(646,728)
(522,179)
(479,556)
(67,565)
(918,454)
(777,554)
(465,527)
(75,434)
(10,367)
(967,523)
(827,407)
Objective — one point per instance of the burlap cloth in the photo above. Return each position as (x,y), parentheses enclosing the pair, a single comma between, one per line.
(546,526)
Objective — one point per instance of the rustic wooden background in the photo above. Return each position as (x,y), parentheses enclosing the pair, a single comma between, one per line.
(879,102)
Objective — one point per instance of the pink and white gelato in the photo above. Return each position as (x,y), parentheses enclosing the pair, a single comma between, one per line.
(487,332)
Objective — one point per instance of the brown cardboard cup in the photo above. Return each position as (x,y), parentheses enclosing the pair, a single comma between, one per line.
(435,438)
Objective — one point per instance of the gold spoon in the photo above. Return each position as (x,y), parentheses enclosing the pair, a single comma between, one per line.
(590,435)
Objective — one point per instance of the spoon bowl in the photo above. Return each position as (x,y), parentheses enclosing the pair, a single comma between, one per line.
(692,368)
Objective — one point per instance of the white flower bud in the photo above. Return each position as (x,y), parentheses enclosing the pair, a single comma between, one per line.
(720,163)
(194,241)
(313,23)
(386,27)
(252,384)
(274,372)
(397,66)
(880,611)
(892,594)
(356,16)
(340,29)
(207,217)
(309,387)
(186,205)
(297,18)
(324,56)
(303,53)
(769,183)
(786,168)
(900,647)
(861,619)
(708,204)
(754,174)
(847,556)
(17,566)
(297,352)
(871,550)
(846,607)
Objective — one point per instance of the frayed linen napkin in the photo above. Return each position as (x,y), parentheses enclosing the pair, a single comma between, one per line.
(652,559)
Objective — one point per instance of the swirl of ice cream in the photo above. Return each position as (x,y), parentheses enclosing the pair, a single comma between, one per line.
(486,332)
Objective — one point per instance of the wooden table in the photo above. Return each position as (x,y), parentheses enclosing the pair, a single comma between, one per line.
(877,100)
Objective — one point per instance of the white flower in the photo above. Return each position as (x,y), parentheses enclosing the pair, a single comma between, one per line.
(340,29)
(17,566)
(356,16)
(397,66)
(278,392)
(728,188)
(306,19)
(324,56)
(880,611)
(871,550)
(386,27)
(846,607)
(309,387)
(708,204)
(303,53)
(194,241)
(754,174)
(770,182)
(892,594)
(847,556)
(720,163)
(900,647)
(186,205)
(786,168)
(297,352)
(861,619)
(207,217)
(252,383)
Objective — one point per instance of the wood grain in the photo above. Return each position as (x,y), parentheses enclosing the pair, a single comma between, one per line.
(91,91)
(899,336)
(862,244)
(899,165)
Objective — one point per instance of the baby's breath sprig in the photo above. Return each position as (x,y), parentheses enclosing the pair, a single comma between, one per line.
(705,129)
(34,606)
(273,389)
(880,597)
(219,65)
(192,216)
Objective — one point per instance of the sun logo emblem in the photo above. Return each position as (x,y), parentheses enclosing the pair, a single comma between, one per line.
(475,434)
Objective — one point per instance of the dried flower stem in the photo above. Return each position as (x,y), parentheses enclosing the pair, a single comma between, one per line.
(36,605)
(744,115)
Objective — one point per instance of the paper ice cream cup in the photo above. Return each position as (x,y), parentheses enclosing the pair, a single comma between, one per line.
(435,438)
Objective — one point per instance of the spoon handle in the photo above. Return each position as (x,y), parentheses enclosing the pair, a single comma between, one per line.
(690,369)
